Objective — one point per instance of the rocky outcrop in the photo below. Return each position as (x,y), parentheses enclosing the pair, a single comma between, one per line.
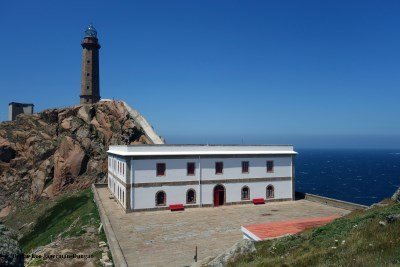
(10,252)
(396,195)
(243,247)
(44,154)
(393,218)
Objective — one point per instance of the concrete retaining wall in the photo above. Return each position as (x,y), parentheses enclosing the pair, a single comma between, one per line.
(116,252)
(330,201)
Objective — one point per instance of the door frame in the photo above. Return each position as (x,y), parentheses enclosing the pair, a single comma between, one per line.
(217,192)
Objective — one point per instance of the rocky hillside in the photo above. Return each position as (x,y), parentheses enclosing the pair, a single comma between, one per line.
(45,154)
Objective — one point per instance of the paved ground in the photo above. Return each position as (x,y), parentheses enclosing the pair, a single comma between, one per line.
(164,238)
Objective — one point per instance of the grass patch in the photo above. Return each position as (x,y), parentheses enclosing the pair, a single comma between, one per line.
(66,216)
(356,239)
(37,262)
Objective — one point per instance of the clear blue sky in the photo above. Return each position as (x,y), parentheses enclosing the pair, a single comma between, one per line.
(310,73)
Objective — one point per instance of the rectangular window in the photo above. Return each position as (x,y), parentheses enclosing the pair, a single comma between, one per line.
(160,169)
(270,166)
(245,167)
(190,168)
(219,167)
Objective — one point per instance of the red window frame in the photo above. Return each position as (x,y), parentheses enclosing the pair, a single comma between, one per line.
(245,166)
(219,167)
(161,168)
(191,168)
(270,166)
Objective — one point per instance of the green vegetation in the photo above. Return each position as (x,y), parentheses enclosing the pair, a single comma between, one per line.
(37,262)
(68,215)
(354,240)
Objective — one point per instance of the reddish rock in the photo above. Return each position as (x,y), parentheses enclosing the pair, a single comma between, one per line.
(61,149)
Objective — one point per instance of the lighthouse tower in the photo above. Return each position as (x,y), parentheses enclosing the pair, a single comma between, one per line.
(90,86)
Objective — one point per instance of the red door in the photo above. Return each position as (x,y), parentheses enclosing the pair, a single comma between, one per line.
(219,195)
(216,198)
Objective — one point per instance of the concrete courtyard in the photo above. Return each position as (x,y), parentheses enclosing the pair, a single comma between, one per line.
(165,238)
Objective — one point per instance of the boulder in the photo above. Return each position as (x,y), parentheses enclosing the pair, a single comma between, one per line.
(66,124)
(67,162)
(242,247)
(102,244)
(38,184)
(203,263)
(396,195)
(393,218)
(10,252)
(90,230)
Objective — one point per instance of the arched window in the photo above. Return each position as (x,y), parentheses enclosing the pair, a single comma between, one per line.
(161,198)
(191,196)
(270,191)
(245,193)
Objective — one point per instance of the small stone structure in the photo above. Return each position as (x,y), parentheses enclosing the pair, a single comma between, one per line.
(15,109)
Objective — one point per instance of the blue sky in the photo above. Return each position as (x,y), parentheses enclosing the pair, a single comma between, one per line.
(310,73)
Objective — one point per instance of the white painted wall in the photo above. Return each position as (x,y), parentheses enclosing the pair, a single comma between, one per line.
(258,168)
(117,189)
(233,191)
(145,197)
(121,171)
(145,169)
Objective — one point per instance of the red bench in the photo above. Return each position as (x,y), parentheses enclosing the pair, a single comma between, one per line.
(175,207)
(257,201)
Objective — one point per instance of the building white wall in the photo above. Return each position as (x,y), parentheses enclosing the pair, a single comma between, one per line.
(233,191)
(257,168)
(118,189)
(145,197)
(145,169)
(117,166)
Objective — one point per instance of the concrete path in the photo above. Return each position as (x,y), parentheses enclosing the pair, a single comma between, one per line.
(164,238)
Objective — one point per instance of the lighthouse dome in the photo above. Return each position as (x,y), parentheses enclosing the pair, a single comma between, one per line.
(91,31)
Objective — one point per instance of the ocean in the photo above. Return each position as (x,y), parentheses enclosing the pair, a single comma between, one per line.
(360,176)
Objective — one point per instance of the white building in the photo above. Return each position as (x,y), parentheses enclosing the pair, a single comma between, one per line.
(150,177)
